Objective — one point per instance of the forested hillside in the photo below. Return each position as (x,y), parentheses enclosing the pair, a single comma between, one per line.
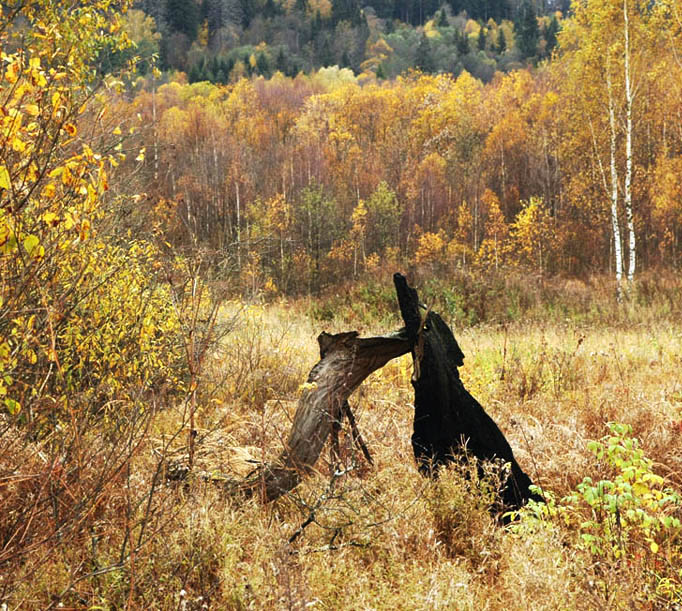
(223,40)
(568,167)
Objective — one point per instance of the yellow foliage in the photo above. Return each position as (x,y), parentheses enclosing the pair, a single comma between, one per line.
(82,321)
(430,248)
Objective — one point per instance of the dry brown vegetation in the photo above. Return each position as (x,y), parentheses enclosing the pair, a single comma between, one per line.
(380,538)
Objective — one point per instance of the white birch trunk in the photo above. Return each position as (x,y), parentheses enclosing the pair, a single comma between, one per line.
(614,190)
(627,194)
(239,237)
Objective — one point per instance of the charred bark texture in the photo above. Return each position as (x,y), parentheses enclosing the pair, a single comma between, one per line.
(449,423)
(345,361)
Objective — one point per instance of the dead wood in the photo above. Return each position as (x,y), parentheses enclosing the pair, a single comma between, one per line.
(345,361)
(449,423)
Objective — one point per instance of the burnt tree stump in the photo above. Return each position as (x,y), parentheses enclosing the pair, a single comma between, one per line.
(449,423)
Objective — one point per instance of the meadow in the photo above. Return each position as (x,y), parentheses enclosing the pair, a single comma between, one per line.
(170,250)
(359,537)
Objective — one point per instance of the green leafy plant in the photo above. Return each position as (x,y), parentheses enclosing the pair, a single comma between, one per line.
(616,515)
(631,518)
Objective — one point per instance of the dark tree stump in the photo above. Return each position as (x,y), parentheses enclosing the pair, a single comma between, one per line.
(345,361)
(448,422)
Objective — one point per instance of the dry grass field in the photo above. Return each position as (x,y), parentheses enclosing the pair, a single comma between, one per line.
(354,537)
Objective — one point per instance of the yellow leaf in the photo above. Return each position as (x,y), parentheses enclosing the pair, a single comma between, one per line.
(84,230)
(50,217)
(32,109)
(18,145)
(12,72)
(70,221)
(70,129)
(654,547)
(32,172)
(4,178)
(140,157)
(117,131)
(39,79)
(640,489)
(13,407)
(31,242)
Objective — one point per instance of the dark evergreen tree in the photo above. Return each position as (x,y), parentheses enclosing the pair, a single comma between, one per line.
(481,39)
(325,54)
(194,74)
(271,9)
(462,43)
(426,10)
(443,19)
(424,59)
(183,16)
(457,6)
(263,65)
(207,75)
(281,64)
(382,8)
(381,74)
(527,29)
(550,33)
(501,45)
(249,11)
(315,25)
(346,10)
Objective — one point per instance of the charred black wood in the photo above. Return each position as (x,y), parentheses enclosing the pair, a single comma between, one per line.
(449,423)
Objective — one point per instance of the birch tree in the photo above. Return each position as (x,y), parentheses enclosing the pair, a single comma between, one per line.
(605,49)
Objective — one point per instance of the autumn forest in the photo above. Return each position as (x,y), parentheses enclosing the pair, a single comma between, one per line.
(190,192)
(571,167)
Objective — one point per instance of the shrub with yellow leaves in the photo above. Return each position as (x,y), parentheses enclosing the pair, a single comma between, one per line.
(89,338)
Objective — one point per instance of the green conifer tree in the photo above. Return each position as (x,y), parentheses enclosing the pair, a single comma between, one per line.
(501,45)
(481,38)
(528,30)
(424,59)
(183,16)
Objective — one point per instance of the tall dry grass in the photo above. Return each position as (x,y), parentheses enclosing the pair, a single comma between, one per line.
(354,537)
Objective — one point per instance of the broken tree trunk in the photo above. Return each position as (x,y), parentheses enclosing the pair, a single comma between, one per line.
(449,423)
(345,361)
